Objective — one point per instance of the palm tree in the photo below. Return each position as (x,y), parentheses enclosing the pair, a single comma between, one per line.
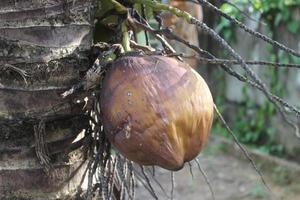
(43,50)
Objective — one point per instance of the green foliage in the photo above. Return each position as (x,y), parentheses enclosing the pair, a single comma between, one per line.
(280,175)
(273,12)
(224,27)
(279,12)
(108,15)
(106,6)
(253,126)
(252,121)
(259,191)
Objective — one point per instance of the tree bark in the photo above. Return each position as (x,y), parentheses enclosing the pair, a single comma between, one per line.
(49,39)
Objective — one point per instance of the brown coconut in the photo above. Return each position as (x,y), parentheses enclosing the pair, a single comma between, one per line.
(156,110)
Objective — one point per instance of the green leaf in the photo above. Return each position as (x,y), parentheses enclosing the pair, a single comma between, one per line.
(277,20)
(293,26)
(148,12)
(106,5)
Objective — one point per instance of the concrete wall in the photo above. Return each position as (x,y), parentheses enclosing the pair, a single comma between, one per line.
(251,48)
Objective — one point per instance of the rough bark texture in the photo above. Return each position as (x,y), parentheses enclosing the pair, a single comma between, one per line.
(49,39)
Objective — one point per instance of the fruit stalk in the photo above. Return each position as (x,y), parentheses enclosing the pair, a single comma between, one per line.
(125,37)
(160,6)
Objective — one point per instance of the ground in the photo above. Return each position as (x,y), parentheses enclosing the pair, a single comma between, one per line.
(232,178)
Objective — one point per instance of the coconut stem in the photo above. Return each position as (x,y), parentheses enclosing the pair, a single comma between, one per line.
(125,39)
(160,6)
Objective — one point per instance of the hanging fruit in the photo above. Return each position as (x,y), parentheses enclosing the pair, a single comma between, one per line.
(156,110)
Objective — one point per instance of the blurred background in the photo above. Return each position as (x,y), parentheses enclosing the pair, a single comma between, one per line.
(255,120)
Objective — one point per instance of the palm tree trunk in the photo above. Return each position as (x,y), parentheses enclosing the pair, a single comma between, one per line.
(49,39)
